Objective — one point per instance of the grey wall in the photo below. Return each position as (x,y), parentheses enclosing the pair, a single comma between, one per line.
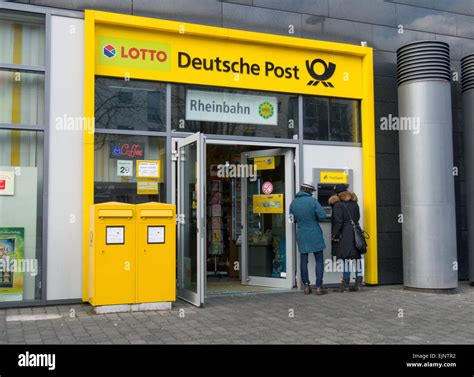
(349,21)
(65,160)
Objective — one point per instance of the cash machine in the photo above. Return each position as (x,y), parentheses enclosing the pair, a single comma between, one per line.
(324,181)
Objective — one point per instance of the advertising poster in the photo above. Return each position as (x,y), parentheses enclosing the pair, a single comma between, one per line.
(268,203)
(148,168)
(12,251)
(124,168)
(7,183)
(147,187)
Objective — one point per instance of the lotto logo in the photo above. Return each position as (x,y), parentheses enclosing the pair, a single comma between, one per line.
(109,51)
(2,184)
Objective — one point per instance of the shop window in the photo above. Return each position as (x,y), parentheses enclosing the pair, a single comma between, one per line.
(213,110)
(21,207)
(21,98)
(22,91)
(23,36)
(331,119)
(130,105)
(129,169)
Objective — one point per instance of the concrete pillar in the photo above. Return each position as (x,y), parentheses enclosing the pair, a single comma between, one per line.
(426,166)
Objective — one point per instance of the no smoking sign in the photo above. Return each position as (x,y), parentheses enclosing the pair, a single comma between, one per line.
(267,188)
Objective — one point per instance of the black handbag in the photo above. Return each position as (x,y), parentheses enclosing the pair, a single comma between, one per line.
(360,236)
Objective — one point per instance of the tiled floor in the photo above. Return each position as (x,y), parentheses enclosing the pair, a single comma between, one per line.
(386,314)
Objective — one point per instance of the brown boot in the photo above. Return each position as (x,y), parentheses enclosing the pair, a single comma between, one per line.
(344,285)
(307,289)
(320,291)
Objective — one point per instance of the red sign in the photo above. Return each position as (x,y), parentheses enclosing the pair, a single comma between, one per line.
(143,54)
(267,188)
(3,184)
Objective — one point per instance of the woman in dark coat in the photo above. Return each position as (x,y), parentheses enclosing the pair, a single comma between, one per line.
(344,206)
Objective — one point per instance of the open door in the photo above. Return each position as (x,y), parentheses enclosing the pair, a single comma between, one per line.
(267,234)
(191,219)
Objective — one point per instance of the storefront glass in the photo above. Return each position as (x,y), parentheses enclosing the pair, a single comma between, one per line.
(130,105)
(21,209)
(223,111)
(189,233)
(331,119)
(122,175)
(266,226)
(22,99)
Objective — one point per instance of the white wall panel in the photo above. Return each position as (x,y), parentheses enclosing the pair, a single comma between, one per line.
(64,265)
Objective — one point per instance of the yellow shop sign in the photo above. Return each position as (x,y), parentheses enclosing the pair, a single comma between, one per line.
(176,52)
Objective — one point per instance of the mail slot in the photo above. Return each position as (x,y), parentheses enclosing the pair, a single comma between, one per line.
(146,213)
(127,213)
(112,254)
(156,252)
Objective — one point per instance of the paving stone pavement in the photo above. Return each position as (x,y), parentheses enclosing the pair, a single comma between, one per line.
(378,315)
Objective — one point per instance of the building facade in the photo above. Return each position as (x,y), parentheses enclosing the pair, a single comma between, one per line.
(49,52)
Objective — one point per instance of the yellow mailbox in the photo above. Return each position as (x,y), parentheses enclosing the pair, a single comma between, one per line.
(112,256)
(156,252)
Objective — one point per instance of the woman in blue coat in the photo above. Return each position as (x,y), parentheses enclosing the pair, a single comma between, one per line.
(306,213)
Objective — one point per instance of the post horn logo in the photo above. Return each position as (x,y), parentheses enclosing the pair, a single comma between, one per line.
(326,75)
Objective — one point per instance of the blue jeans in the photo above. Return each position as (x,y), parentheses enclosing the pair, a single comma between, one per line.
(352,265)
(318,256)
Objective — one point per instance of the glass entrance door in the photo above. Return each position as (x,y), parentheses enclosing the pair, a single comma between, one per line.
(191,219)
(267,234)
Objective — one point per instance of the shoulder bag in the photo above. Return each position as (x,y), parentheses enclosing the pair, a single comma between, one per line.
(360,235)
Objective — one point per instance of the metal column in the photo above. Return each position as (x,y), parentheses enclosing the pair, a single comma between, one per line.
(467,68)
(426,166)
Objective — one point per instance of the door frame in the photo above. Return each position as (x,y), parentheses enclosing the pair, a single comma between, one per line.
(208,139)
(195,298)
(289,192)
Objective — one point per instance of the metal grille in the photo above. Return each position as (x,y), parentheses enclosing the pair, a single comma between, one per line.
(423,60)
